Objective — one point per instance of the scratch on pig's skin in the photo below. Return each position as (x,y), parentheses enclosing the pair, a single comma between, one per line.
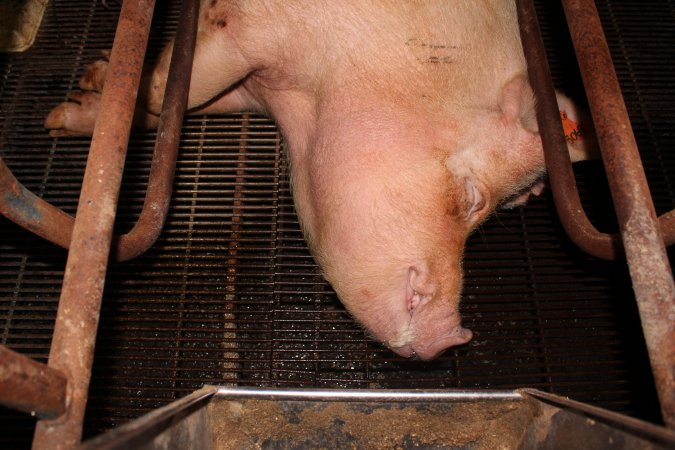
(437,60)
(416,42)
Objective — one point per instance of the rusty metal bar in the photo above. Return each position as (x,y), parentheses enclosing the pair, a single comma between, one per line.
(31,212)
(30,386)
(556,154)
(28,210)
(640,231)
(72,349)
(160,183)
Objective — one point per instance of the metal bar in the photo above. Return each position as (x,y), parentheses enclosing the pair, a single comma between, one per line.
(160,183)
(635,426)
(31,212)
(28,210)
(556,154)
(374,395)
(640,231)
(667,224)
(72,349)
(153,423)
(30,386)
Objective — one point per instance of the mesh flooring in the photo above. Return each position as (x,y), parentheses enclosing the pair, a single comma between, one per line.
(230,295)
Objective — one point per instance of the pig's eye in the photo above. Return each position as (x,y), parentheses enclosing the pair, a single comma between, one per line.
(475,200)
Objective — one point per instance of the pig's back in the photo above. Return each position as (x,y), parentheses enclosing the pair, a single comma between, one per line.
(449,52)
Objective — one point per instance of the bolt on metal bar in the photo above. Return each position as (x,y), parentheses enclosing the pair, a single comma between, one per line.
(72,349)
(667,224)
(30,386)
(641,236)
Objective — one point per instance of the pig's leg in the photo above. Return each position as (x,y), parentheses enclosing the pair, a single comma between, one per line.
(217,68)
(76,117)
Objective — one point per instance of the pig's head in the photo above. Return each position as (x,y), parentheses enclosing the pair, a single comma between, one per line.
(389,214)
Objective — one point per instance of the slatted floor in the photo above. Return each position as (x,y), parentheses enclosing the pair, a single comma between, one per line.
(230,295)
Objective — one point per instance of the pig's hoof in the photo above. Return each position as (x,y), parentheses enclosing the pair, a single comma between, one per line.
(94,75)
(75,117)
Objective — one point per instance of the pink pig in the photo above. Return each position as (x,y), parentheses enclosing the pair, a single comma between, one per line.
(407,124)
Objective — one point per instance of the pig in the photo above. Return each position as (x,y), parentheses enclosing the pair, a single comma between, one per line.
(407,124)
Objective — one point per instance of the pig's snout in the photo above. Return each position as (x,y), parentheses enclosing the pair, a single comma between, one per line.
(429,350)
(432,324)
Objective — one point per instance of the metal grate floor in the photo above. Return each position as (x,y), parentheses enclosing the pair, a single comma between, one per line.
(230,295)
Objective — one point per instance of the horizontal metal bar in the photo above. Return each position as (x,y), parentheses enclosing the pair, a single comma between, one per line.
(30,386)
(380,395)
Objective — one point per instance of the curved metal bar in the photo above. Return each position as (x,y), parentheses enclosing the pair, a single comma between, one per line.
(556,154)
(28,210)
(33,213)
(160,183)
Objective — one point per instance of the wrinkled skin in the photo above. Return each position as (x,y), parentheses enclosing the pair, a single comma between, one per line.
(407,124)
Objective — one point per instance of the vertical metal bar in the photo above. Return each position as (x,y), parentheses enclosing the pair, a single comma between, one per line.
(641,235)
(160,183)
(556,154)
(72,349)
(30,386)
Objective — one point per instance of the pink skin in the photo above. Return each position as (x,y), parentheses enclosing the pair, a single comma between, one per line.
(407,124)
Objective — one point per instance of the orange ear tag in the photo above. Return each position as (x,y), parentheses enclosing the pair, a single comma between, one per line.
(572,129)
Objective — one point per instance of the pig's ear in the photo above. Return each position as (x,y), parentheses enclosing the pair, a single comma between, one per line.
(477,201)
(517,104)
